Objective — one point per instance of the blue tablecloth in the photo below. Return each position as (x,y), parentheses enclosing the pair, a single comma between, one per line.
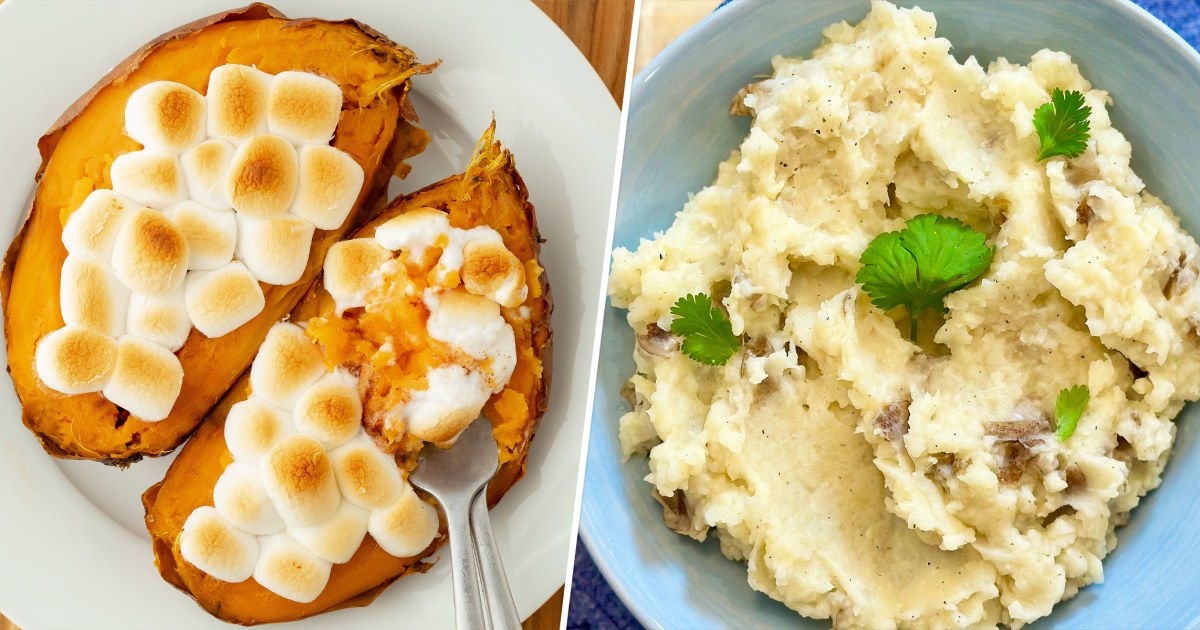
(594,606)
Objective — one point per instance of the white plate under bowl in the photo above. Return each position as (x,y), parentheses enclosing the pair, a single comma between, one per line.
(73,549)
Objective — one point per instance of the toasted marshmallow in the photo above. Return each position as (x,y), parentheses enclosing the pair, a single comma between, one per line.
(453,398)
(151,254)
(221,300)
(492,271)
(414,231)
(253,427)
(330,181)
(330,410)
(237,102)
(92,229)
(450,264)
(286,364)
(166,115)
(304,108)
(352,270)
(211,234)
(275,250)
(205,167)
(75,360)
(146,379)
(241,499)
(261,181)
(288,569)
(217,548)
(299,479)
(473,324)
(92,297)
(366,475)
(163,320)
(149,177)
(338,537)
(405,528)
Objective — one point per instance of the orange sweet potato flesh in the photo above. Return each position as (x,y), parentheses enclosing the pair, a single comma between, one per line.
(489,193)
(375,128)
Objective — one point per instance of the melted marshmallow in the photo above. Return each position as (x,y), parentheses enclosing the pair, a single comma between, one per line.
(352,269)
(473,325)
(417,231)
(453,398)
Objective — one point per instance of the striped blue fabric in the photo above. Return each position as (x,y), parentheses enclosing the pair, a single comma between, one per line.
(594,606)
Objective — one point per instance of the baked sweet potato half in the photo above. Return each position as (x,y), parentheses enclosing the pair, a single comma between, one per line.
(375,128)
(490,193)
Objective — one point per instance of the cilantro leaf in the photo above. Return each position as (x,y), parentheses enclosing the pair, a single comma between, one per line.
(1062,125)
(1068,408)
(917,267)
(707,335)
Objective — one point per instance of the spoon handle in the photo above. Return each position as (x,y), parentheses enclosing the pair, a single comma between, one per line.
(495,584)
(464,564)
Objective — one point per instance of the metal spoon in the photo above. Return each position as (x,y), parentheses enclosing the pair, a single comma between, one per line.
(457,477)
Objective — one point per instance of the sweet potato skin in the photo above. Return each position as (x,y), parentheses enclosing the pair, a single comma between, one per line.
(489,193)
(76,154)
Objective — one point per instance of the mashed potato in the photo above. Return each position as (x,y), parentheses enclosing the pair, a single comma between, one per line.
(863,477)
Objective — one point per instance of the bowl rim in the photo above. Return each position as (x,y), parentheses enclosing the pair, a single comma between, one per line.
(727,11)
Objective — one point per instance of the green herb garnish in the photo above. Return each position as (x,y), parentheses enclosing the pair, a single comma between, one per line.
(1062,125)
(1068,408)
(707,335)
(920,265)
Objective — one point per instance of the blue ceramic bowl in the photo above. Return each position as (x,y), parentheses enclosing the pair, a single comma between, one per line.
(679,130)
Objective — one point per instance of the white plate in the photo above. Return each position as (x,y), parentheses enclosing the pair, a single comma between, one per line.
(73,549)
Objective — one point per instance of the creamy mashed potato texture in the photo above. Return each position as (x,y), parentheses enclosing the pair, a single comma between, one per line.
(876,481)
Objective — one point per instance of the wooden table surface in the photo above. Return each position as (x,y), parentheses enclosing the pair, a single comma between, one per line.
(663,21)
(600,28)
